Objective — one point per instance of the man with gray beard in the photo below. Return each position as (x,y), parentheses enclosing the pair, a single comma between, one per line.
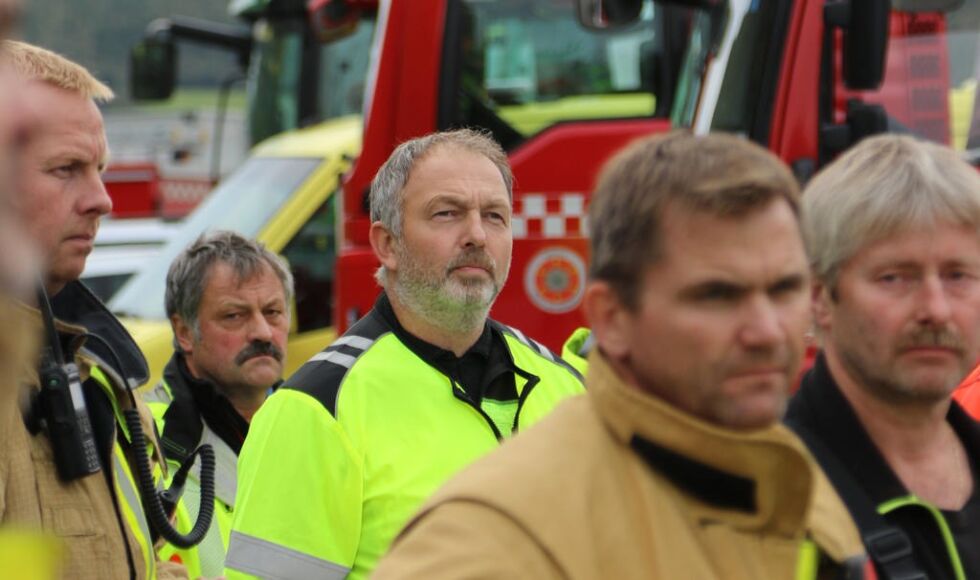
(340,457)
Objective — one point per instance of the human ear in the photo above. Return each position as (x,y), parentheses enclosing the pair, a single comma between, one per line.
(183,333)
(611,322)
(383,244)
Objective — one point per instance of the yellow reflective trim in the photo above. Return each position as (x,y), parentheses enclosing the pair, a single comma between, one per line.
(947,535)
(104,382)
(132,508)
(808,561)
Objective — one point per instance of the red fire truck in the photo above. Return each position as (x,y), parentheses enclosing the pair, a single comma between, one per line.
(562,85)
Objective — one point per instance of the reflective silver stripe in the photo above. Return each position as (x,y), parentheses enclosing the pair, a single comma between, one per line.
(338,358)
(267,560)
(158,394)
(358,342)
(135,506)
(226,467)
(129,493)
(520,335)
(543,350)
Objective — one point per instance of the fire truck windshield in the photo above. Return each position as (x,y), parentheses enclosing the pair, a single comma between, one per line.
(243,202)
(522,66)
(333,78)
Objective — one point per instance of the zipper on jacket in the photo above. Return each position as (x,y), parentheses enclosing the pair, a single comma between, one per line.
(532,380)
(462,395)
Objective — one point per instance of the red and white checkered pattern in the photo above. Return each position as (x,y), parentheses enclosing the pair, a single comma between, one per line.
(549,215)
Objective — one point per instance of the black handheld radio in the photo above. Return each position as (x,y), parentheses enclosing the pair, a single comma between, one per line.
(64,414)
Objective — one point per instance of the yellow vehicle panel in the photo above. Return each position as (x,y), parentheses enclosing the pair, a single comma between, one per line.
(336,143)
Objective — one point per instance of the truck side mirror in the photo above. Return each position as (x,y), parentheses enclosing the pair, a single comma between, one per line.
(607,14)
(613,14)
(865,25)
(153,68)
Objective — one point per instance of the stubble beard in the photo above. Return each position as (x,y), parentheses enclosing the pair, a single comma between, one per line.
(447,302)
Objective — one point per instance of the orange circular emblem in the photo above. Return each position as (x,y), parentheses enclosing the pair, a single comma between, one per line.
(555,280)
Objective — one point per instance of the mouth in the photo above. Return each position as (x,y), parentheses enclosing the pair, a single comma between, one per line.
(471,269)
(932,351)
(758,373)
(262,356)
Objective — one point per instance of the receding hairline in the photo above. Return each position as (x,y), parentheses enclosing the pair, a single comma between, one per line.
(33,63)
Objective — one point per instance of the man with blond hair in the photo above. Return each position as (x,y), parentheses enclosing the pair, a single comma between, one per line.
(892,229)
(67,460)
(674,465)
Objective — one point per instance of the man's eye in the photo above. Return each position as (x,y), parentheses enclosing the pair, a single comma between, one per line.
(718,293)
(64,170)
(891,278)
(496,217)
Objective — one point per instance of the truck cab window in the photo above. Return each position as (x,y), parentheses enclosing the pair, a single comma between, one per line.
(526,65)
(312,254)
(931,74)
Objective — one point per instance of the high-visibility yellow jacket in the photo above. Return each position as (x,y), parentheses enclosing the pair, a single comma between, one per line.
(339,459)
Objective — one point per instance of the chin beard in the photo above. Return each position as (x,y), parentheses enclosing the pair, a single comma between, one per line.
(453,306)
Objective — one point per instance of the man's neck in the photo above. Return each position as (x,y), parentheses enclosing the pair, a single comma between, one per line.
(915,438)
(457,341)
(245,402)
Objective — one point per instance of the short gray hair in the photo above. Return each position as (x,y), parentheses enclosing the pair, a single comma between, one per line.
(386,200)
(884,185)
(188,274)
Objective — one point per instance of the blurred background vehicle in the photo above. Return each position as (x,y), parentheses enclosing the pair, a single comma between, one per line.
(561,84)
(122,248)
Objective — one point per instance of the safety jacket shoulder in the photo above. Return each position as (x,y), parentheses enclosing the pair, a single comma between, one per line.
(99,517)
(619,484)
(339,459)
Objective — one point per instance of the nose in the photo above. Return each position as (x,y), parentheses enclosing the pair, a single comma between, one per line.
(762,327)
(259,329)
(95,199)
(475,234)
(933,306)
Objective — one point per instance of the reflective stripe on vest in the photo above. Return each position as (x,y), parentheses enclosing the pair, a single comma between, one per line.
(944,531)
(265,559)
(132,508)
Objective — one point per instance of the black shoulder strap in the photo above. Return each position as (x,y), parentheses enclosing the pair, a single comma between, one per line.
(887,545)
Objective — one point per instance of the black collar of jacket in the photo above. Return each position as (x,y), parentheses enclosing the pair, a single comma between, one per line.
(820,407)
(709,484)
(76,304)
(196,400)
(490,347)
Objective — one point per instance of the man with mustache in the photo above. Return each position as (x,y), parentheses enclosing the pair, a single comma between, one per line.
(228,300)
(892,229)
(339,459)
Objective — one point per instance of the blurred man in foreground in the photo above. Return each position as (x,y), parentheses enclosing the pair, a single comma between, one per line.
(67,463)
